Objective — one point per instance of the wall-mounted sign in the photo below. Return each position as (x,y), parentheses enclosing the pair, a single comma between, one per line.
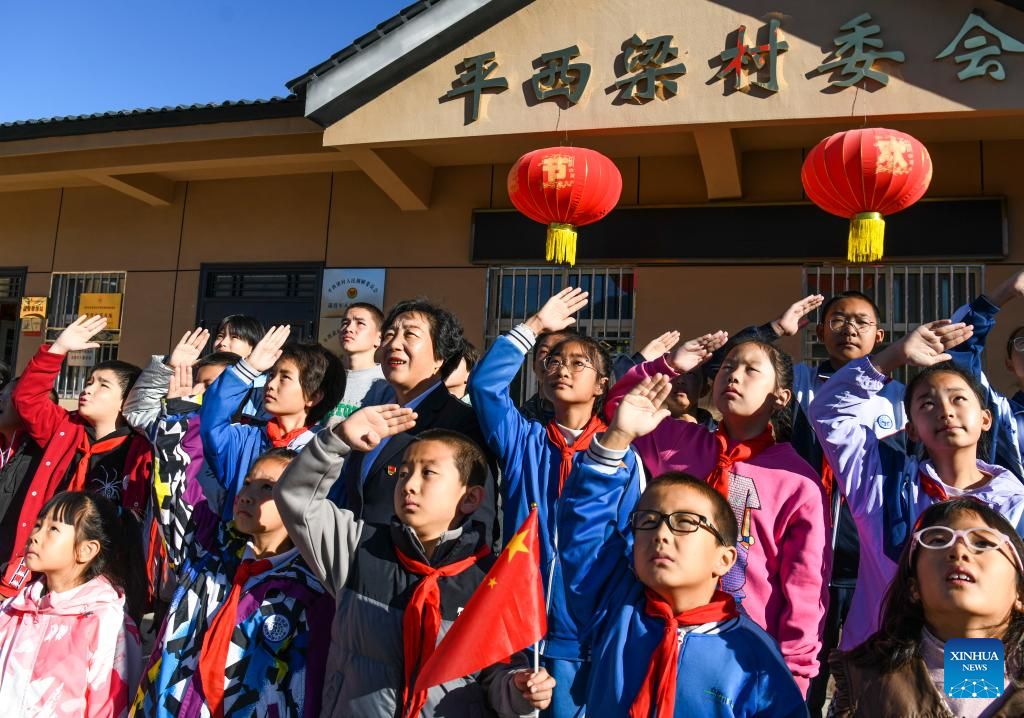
(106,305)
(33,314)
(342,288)
(649,67)
(82,357)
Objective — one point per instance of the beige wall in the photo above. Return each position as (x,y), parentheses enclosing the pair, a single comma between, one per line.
(343,219)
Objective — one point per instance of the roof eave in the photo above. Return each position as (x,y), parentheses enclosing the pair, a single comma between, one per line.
(406,49)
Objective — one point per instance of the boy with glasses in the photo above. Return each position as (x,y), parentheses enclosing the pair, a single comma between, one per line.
(666,640)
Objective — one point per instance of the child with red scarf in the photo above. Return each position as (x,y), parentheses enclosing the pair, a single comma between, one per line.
(92,449)
(399,586)
(667,641)
(780,578)
(536,459)
(304,381)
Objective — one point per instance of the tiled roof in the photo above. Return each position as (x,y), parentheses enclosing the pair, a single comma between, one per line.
(153,117)
(361,43)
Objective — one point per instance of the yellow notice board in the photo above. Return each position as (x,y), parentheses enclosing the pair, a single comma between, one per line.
(106,305)
(33,307)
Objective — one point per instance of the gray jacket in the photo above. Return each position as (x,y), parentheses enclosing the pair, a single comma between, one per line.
(356,562)
(144,402)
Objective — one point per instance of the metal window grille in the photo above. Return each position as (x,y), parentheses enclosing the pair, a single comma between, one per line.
(65,288)
(907,295)
(280,293)
(12,286)
(515,293)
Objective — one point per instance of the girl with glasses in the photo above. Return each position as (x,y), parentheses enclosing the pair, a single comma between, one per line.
(537,458)
(887,488)
(780,578)
(959,576)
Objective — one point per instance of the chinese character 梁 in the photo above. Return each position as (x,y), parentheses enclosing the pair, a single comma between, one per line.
(856,54)
(979,48)
(645,61)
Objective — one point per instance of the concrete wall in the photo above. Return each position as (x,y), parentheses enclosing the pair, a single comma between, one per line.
(343,219)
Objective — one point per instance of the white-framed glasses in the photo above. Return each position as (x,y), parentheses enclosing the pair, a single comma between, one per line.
(978,540)
(1018,344)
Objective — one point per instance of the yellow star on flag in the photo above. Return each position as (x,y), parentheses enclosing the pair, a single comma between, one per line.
(517,544)
(492,583)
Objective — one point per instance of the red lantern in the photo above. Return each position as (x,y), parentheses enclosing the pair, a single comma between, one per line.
(864,175)
(564,188)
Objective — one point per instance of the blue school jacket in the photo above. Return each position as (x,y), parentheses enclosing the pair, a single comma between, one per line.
(530,467)
(732,668)
(230,449)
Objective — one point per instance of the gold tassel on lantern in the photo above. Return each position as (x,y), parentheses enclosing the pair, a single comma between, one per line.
(561,246)
(867,234)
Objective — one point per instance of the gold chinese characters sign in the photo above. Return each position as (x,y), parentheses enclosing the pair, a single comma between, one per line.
(106,305)
(33,314)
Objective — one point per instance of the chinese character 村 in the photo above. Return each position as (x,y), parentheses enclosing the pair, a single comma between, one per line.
(559,76)
(743,59)
(474,80)
(856,53)
(979,48)
(647,59)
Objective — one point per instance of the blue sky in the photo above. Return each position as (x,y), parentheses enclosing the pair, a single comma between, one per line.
(60,57)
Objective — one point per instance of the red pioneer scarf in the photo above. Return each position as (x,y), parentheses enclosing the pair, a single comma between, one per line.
(214,653)
(659,688)
(421,622)
(581,443)
(279,437)
(743,451)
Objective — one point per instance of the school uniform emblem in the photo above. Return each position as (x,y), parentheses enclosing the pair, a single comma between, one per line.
(392,470)
(276,627)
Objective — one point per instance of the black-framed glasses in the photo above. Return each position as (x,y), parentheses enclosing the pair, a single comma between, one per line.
(575,366)
(678,522)
(860,326)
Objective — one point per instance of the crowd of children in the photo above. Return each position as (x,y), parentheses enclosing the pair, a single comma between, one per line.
(295,533)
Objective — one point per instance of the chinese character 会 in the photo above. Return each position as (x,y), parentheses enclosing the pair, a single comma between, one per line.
(558,76)
(474,80)
(856,53)
(980,48)
(644,61)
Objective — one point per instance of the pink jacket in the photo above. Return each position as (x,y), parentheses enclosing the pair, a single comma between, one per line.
(68,655)
(780,578)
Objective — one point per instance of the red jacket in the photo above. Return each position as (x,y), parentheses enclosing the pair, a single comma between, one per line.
(60,433)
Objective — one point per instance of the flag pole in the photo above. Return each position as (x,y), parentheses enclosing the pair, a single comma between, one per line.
(536,669)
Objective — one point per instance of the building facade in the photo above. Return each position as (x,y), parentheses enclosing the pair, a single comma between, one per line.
(383,175)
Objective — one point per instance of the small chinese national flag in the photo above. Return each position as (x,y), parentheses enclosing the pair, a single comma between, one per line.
(505,615)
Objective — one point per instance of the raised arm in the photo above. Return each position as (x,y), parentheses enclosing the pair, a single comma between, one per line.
(142,406)
(325,534)
(596,563)
(31,395)
(842,414)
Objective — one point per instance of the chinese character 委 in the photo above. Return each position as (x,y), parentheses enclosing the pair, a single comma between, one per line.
(980,48)
(474,81)
(647,59)
(856,53)
(743,59)
(560,77)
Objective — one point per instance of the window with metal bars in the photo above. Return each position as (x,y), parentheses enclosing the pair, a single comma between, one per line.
(906,294)
(12,287)
(65,289)
(516,293)
(278,293)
